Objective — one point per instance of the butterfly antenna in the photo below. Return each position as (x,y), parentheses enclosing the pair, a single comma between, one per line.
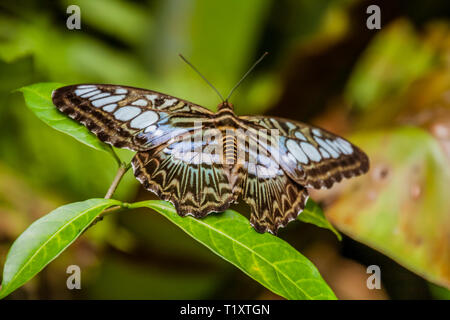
(203,77)
(246,74)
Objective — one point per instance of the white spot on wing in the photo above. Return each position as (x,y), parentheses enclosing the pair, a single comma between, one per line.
(290,157)
(264,160)
(152,98)
(144,120)
(327,147)
(121,91)
(168,103)
(336,145)
(296,151)
(300,136)
(126,113)
(150,129)
(333,145)
(267,172)
(90,94)
(325,154)
(310,151)
(110,107)
(140,102)
(290,125)
(346,147)
(79,92)
(107,100)
(251,168)
(317,132)
(100,95)
(86,86)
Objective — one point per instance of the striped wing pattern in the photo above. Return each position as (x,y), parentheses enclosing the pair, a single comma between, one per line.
(202,161)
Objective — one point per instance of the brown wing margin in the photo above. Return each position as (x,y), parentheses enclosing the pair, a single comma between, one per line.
(329,171)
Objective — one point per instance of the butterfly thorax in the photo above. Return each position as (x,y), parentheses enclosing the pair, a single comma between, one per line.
(225,116)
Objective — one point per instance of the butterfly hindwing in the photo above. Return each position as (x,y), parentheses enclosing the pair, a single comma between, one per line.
(274,198)
(127,117)
(311,156)
(188,171)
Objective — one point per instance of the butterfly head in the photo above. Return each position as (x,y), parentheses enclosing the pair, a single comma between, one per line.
(225,105)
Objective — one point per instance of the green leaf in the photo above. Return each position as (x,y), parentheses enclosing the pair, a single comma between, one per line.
(314,214)
(439,293)
(38,99)
(46,238)
(268,259)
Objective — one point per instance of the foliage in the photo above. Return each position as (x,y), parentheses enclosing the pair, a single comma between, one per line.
(37,97)
(46,238)
(264,257)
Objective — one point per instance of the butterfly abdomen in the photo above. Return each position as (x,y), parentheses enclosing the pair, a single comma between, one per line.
(229,149)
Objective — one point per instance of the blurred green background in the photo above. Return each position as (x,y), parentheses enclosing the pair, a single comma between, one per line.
(387,90)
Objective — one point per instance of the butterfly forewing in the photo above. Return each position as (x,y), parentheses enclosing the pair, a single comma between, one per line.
(128,117)
(312,156)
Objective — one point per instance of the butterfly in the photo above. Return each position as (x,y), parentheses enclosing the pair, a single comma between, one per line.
(202,161)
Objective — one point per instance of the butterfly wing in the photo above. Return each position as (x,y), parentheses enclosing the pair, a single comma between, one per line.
(274,198)
(163,129)
(188,171)
(310,156)
(128,117)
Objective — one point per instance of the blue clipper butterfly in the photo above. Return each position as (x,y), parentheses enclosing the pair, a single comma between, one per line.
(202,162)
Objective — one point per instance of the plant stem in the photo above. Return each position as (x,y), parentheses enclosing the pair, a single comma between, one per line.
(123,168)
